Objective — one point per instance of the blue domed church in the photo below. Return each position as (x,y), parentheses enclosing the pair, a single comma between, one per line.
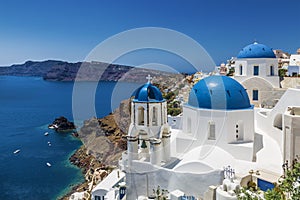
(256,68)
(256,50)
(217,130)
(218,113)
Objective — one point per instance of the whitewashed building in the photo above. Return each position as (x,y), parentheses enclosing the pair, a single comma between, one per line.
(294,65)
(112,187)
(218,127)
(256,68)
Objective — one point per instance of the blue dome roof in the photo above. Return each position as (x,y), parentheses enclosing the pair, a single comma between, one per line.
(256,50)
(147,93)
(219,92)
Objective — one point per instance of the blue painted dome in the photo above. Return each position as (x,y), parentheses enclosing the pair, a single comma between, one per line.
(219,92)
(147,93)
(256,50)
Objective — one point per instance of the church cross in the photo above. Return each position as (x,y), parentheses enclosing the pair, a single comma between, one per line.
(149,78)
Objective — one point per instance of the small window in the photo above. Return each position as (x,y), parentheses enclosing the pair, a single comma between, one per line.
(271,70)
(239,131)
(211,131)
(255,95)
(256,70)
(241,69)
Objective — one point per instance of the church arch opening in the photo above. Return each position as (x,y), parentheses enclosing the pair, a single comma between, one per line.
(141,117)
(154,116)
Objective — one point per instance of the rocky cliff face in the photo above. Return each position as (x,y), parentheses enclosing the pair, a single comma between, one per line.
(103,137)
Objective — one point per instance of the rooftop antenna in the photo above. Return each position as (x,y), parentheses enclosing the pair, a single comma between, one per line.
(149,78)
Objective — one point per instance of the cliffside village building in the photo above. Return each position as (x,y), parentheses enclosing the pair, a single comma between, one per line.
(223,134)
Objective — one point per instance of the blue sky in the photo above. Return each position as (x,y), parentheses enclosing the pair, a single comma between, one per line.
(68,29)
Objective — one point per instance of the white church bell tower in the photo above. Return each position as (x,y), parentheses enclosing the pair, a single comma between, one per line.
(149,133)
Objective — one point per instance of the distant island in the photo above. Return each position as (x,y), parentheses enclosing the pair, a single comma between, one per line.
(53,70)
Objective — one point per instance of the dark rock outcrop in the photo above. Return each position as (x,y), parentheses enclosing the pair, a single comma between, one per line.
(62,124)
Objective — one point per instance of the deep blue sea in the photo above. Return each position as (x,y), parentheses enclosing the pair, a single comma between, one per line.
(27,106)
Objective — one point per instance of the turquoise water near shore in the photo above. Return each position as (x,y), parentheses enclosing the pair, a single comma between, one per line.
(27,106)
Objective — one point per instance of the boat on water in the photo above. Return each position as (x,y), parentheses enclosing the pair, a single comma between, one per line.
(17,151)
(52,126)
(48,164)
(46,133)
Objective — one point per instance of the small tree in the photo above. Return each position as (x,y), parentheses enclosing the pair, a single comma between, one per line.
(274,194)
(282,72)
(231,71)
(290,183)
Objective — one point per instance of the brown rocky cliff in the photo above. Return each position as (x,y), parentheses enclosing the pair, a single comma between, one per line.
(103,137)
